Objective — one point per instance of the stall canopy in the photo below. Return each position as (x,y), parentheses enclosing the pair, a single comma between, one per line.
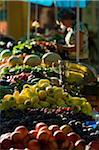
(61,3)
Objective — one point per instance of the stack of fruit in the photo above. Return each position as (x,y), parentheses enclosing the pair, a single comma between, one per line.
(43,94)
(44,137)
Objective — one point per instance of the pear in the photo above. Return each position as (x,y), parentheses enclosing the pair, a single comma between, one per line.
(44,104)
(49,91)
(35,99)
(60,102)
(36,105)
(50,100)
(42,94)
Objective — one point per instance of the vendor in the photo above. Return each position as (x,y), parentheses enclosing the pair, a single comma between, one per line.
(67,19)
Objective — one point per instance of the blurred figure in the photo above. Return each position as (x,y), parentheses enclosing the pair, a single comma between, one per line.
(67,19)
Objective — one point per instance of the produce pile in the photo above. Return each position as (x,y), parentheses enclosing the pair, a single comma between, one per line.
(37,113)
(43,94)
(44,137)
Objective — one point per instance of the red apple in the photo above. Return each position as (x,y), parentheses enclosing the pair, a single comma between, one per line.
(94,144)
(59,136)
(33,134)
(5,143)
(80,145)
(33,145)
(26,140)
(72,136)
(39,125)
(19,146)
(65,144)
(16,137)
(22,129)
(43,136)
(53,128)
(66,129)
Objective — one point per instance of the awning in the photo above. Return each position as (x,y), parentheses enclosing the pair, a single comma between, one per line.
(61,3)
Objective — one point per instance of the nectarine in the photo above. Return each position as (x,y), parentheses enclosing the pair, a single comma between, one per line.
(39,125)
(23,130)
(33,145)
(43,136)
(53,128)
(59,136)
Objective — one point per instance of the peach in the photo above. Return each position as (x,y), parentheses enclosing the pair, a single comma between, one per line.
(66,129)
(26,140)
(33,134)
(80,145)
(5,143)
(94,144)
(16,136)
(53,128)
(45,128)
(65,144)
(52,145)
(43,136)
(19,146)
(72,136)
(22,129)
(39,125)
(33,145)
(59,136)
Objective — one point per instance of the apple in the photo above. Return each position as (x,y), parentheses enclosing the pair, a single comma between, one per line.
(33,145)
(65,144)
(45,128)
(23,130)
(39,125)
(72,136)
(59,136)
(94,144)
(43,136)
(26,140)
(53,128)
(80,145)
(19,146)
(52,145)
(66,129)
(5,143)
(16,136)
(33,134)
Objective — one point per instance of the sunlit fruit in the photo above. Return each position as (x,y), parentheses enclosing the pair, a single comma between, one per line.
(23,130)
(43,135)
(5,143)
(66,129)
(72,136)
(59,136)
(53,128)
(16,136)
(39,125)
(33,134)
(80,145)
(42,94)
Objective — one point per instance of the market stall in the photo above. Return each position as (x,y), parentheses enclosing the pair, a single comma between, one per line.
(43,102)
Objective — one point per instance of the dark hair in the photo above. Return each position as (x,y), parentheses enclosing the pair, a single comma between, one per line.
(66,14)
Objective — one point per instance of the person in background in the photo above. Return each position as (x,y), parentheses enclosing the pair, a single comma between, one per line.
(67,18)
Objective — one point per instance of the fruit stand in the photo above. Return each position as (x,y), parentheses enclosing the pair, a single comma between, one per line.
(44,103)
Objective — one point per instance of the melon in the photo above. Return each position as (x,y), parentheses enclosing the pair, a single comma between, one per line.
(32,60)
(5,53)
(50,58)
(14,60)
